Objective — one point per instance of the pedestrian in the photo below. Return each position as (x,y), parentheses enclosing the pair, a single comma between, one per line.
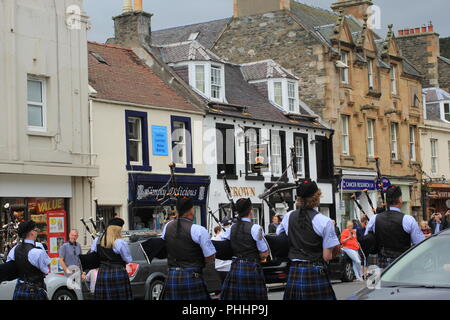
(426,230)
(312,243)
(394,231)
(69,253)
(245,281)
(222,266)
(189,248)
(91,278)
(351,247)
(32,262)
(112,282)
(438,223)
(276,220)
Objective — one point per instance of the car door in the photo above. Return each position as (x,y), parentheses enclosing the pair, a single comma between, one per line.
(7,290)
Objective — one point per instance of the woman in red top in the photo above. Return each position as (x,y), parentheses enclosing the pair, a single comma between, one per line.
(351,247)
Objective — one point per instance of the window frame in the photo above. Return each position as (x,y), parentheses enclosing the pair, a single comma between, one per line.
(248,150)
(345,135)
(370,73)
(284,94)
(444,113)
(393,74)
(305,139)
(208,66)
(219,128)
(412,143)
(188,143)
(294,97)
(139,140)
(42,104)
(394,142)
(345,72)
(371,138)
(145,166)
(434,155)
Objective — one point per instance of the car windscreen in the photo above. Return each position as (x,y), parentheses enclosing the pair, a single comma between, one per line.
(428,264)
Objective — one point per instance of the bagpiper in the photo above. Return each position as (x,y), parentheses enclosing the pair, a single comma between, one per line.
(189,248)
(113,282)
(394,231)
(312,242)
(245,281)
(32,262)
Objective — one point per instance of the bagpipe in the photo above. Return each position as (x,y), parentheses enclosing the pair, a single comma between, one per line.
(98,226)
(380,183)
(9,234)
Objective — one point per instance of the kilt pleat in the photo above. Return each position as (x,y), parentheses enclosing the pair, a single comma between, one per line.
(112,283)
(308,283)
(24,291)
(245,281)
(185,284)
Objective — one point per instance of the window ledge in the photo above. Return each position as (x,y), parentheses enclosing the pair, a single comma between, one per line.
(371,159)
(138,168)
(347,158)
(415,163)
(228,176)
(254,178)
(41,133)
(395,96)
(396,161)
(346,86)
(185,170)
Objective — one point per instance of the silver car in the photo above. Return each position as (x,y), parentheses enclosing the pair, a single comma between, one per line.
(56,288)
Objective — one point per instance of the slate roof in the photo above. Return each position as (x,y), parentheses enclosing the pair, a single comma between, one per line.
(436,95)
(264,70)
(444,59)
(185,51)
(209,32)
(117,74)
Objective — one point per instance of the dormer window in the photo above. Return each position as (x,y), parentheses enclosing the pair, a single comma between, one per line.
(393,76)
(284,94)
(370,73)
(208,78)
(447,112)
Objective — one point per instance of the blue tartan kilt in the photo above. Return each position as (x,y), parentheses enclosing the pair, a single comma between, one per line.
(112,283)
(372,259)
(185,284)
(245,281)
(308,282)
(25,291)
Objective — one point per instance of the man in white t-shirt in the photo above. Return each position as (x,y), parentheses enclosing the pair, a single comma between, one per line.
(222,266)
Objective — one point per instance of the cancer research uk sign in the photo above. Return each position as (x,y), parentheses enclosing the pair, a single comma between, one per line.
(159,141)
(358,185)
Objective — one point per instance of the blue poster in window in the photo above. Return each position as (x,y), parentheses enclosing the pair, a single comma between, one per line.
(159,141)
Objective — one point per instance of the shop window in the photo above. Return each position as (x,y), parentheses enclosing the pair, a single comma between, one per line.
(225,148)
(137,141)
(182,144)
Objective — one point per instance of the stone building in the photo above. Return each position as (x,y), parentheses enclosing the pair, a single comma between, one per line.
(244,119)
(358,82)
(46,159)
(421,45)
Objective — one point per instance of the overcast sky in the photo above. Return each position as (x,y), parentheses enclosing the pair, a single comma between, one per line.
(171,13)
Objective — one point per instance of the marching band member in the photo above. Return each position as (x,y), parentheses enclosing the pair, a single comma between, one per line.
(394,231)
(313,241)
(32,262)
(112,281)
(245,281)
(188,249)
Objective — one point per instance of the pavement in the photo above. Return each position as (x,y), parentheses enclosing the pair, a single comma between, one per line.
(342,289)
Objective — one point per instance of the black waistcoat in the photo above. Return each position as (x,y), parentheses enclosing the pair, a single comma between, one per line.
(108,257)
(392,239)
(182,251)
(242,242)
(27,272)
(305,243)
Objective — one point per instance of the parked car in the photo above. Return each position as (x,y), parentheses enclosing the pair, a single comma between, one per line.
(56,288)
(421,273)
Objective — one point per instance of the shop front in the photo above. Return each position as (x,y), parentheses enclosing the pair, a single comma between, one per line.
(42,199)
(151,203)
(438,198)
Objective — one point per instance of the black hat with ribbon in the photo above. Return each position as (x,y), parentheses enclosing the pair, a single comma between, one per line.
(243,205)
(116,221)
(307,189)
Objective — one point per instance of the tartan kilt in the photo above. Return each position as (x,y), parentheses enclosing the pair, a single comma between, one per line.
(25,291)
(185,284)
(245,281)
(308,282)
(372,259)
(112,283)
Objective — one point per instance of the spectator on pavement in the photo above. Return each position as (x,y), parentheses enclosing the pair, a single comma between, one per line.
(425,228)
(276,221)
(351,247)
(69,253)
(222,266)
(437,223)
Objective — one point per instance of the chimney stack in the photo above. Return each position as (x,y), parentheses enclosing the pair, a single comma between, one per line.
(418,30)
(243,8)
(132,28)
(355,8)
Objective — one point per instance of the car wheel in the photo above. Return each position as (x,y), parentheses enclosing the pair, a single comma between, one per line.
(156,289)
(348,275)
(64,294)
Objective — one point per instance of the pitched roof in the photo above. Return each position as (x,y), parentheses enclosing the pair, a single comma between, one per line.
(185,51)
(266,69)
(444,59)
(436,95)
(208,33)
(117,74)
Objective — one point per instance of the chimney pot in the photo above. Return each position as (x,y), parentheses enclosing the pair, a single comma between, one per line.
(127,6)
(400,32)
(138,5)
(417,30)
(430,28)
(406,31)
(411,31)
(424,28)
